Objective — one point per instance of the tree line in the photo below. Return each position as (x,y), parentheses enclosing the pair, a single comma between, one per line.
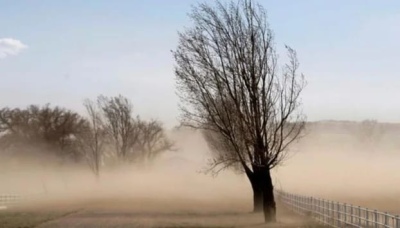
(108,134)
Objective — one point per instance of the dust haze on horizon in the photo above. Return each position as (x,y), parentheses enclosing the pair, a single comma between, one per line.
(238,72)
(323,164)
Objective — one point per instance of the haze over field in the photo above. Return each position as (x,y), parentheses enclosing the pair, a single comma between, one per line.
(325,163)
(121,112)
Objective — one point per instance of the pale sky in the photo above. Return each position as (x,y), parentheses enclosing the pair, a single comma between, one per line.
(61,52)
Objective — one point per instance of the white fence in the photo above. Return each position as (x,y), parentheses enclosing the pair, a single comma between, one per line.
(336,214)
(7,200)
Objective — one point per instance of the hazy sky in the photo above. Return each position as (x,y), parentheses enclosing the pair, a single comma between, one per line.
(64,51)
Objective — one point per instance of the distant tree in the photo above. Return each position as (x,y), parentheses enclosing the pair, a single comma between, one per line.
(370,132)
(152,140)
(119,123)
(109,133)
(93,139)
(133,138)
(13,124)
(52,129)
(231,87)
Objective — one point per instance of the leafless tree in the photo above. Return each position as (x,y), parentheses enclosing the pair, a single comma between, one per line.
(93,138)
(119,123)
(152,140)
(108,134)
(231,86)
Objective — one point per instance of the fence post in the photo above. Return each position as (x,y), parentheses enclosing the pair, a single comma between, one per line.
(302,204)
(386,219)
(299,203)
(397,221)
(308,205)
(332,206)
(318,208)
(351,214)
(312,206)
(367,216)
(333,213)
(376,218)
(293,202)
(345,213)
(323,210)
(359,215)
(338,213)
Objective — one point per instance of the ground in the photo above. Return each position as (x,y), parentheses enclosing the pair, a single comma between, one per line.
(141,213)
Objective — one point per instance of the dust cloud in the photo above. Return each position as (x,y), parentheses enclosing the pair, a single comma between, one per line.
(334,162)
(326,163)
(175,179)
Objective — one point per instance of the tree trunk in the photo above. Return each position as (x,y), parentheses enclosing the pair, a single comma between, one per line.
(256,185)
(257,191)
(263,192)
(257,200)
(269,205)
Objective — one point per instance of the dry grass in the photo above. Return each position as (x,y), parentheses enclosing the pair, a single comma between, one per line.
(142,213)
(29,218)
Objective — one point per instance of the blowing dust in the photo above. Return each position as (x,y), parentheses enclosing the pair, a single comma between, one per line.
(325,163)
(346,162)
(174,182)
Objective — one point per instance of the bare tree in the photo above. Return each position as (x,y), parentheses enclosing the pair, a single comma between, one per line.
(93,139)
(119,123)
(231,86)
(108,132)
(152,140)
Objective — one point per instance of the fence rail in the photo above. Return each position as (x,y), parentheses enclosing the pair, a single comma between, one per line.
(7,200)
(335,214)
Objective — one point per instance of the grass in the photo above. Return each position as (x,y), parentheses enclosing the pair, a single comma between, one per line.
(32,219)
(29,219)
(107,216)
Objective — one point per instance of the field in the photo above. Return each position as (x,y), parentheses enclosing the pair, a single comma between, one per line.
(172,193)
(165,213)
(143,213)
